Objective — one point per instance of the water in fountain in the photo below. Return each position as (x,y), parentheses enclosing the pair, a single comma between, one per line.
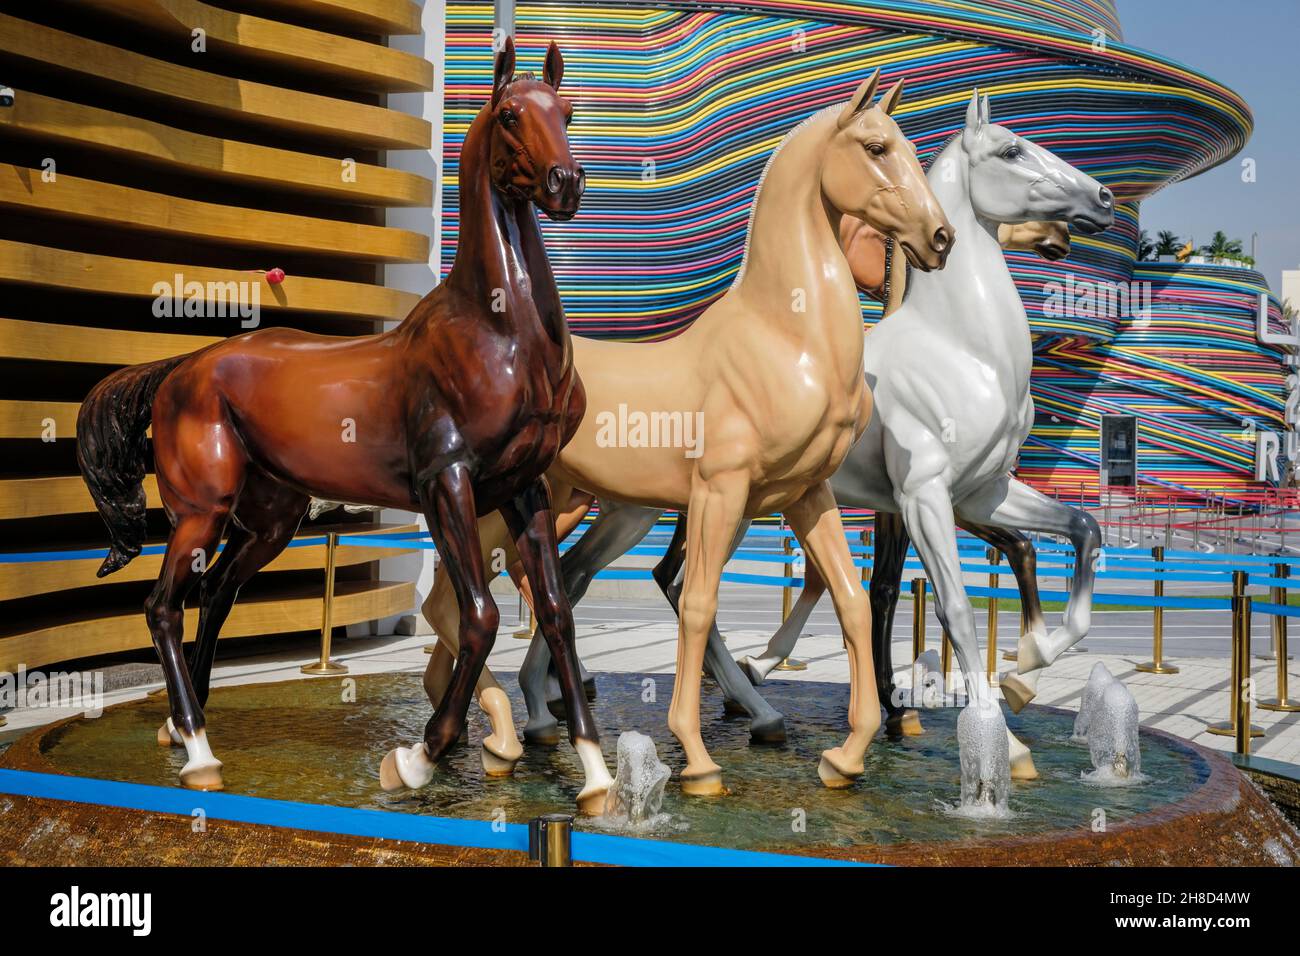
(1113,740)
(985,761)
(1098,681)
(637,793)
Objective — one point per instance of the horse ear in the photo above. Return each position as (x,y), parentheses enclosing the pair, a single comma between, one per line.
(503,71)
(974,116)
(984,110)
(860,100)
(553,70)
(890,100)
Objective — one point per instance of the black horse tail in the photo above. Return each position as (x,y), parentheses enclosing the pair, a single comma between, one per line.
(112,452)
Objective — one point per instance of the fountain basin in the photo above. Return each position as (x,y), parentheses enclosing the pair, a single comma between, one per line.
(320,741)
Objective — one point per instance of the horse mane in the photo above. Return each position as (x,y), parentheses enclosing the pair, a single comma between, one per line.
(758,190)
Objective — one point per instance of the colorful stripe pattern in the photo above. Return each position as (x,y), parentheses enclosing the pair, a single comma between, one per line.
(678,106)
(1190,368)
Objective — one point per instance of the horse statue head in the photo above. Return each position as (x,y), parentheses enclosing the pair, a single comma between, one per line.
(1012,180)
(1048,240)
(870,172)
(530,157)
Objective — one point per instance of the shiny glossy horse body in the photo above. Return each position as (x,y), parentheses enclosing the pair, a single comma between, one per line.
(457,412)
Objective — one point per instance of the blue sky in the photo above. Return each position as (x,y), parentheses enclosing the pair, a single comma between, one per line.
(1251,45)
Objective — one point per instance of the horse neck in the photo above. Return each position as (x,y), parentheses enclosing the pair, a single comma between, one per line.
(972,300)
(793,249)
(500,247)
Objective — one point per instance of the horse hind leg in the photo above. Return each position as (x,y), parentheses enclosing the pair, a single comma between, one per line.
(265,520)
(193,536)
(886,579)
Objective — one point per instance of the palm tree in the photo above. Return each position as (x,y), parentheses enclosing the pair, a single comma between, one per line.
(1167,243)
(1288,310)
(1221,247)
(1145,248)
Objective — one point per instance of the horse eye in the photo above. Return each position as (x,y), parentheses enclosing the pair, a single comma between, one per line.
(508,118)
(876,149)
(1012,152)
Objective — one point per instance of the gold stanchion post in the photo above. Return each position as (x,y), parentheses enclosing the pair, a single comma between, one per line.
(918,617)
(991,664)
(787,592)
(526,633)
(1281,702)
(866,555)
(1157,663)
(326,667)
(1241,717)
(1240,647)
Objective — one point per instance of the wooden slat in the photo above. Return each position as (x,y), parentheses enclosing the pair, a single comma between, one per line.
(196,92)
(49,342)
(24,419)
(96,632)
(113,206)
(57,495)
(353,63)
(84,272)
(384,17)
(245,164)
(47,577)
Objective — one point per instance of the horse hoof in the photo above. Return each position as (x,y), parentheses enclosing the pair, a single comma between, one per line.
(751,669)
(704,783)
(543,735)
(1016,692)
(591,803)
(589,688)
(733,709)
(1022,766)
(905,723)
(496,766)
(835,771)
(771,731)
(407,767)
(168,737)
(202,774)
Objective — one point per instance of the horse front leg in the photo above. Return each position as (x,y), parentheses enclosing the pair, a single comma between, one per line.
(448,501)
(616,529)
(716,508)
(501,749)
(1022,558)
(1009,503)
(928,511)
(531,522)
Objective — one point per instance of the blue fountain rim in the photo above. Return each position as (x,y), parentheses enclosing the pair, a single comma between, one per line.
(352,821)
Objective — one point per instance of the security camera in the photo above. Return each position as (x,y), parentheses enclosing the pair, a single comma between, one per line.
(6,96)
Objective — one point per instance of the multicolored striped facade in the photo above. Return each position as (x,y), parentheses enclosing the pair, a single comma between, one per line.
(678,106)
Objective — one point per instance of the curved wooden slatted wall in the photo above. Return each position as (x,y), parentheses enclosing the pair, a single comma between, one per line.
(129,158)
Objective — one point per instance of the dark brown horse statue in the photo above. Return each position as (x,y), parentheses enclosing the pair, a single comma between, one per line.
(457,412)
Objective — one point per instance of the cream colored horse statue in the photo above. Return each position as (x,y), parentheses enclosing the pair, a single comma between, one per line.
(772,375)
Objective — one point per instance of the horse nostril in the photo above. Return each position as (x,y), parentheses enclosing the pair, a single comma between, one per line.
(942,239)
(1106,198)
(580,183)
(555,179)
